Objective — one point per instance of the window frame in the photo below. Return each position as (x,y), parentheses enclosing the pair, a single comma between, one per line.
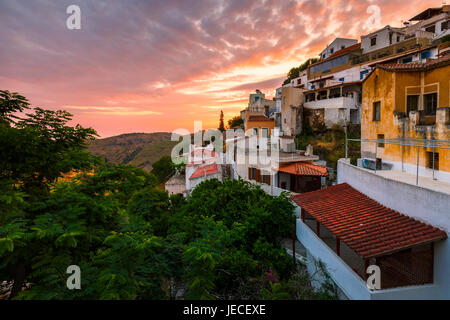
(434,102)
(376,116)
(408,108)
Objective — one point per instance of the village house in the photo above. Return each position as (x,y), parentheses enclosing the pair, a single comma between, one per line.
(290,170)
(391,211)
(408,103)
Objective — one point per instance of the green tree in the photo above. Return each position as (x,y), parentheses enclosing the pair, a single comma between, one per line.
(235,122)
(221,122)
(10,103)
(295,72)
(34,152)
(163,169)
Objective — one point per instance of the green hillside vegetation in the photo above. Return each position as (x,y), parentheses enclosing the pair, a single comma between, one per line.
(138,149)
(329,144)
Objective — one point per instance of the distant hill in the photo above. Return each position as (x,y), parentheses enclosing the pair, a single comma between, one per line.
(138,149)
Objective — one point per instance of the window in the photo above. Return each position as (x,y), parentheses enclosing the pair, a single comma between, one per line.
(412,103)
(342,79)
(265,132)
(429,156)
(361,75)
(256,99)
(342,47)
(324,56)
(266,179)
(444,25)
(431,29)
(425,55)
(377,111)
(252,174)
(332,50)
(398,39)
(430,103)
(373,41)
(255,131)
(380,137)
(407,60)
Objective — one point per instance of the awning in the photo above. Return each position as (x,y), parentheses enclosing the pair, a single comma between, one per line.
(367,227)
(304,169)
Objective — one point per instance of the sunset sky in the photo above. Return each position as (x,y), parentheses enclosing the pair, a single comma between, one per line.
(146,66)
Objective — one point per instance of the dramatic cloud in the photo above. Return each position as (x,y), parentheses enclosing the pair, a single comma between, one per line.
(159,65)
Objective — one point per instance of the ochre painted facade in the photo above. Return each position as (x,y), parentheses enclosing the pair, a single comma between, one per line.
(260,124)
(390,88)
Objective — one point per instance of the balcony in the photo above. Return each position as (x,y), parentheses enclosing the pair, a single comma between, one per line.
(333,103)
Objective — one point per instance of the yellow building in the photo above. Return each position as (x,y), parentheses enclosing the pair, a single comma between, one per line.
(259,125)
(408,101)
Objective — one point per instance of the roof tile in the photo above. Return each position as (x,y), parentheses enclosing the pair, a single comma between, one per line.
(367,227)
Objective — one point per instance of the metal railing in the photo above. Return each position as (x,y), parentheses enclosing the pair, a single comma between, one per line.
(402,142)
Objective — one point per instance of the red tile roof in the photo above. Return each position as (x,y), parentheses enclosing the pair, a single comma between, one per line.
(416,66)
(367,227)
(205,170)
(259,118)
(350,48)
(304,169)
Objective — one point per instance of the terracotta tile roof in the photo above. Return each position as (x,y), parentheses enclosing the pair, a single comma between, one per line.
(350,48)
(304,169)
(209,169)
(367,227)
(259,118)
(416,66)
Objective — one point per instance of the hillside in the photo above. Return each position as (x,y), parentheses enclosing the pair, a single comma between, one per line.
(138,149)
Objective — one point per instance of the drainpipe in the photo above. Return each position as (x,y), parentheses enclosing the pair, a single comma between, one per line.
(417,170)
(434,144)
(376,150)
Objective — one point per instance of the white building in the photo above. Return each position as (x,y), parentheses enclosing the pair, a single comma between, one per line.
(382,38)
(337,45)
(433,20)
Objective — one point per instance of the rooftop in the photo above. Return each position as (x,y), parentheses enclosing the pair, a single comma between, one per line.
(416,66)
(429,13)
(367,227)
(304,169)
(205,171)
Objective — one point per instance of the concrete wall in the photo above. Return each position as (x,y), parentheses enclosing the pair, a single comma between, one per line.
(333,103)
